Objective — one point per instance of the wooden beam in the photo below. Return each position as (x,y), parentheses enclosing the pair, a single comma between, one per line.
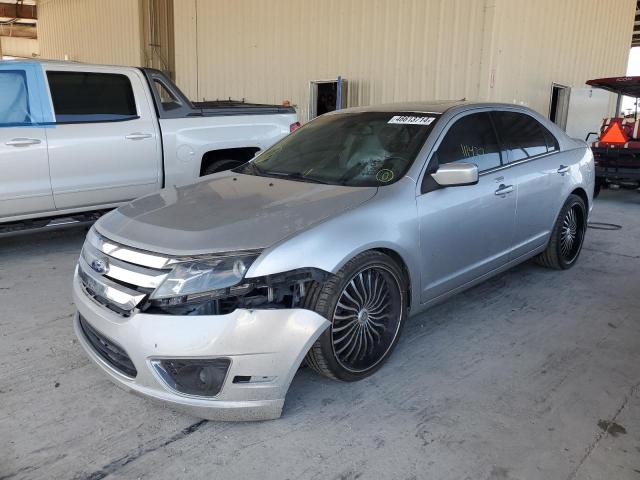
(8,10)
(18,30)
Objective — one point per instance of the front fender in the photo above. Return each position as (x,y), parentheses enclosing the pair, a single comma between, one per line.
(387,221)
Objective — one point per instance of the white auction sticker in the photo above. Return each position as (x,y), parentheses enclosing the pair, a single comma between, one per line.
(407,120)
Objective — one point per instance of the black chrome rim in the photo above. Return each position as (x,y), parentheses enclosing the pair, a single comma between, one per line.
(572,234)
(366,319)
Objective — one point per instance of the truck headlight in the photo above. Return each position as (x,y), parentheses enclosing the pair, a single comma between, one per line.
(199,276)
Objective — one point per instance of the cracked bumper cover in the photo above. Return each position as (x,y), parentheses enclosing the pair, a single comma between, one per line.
(260,343)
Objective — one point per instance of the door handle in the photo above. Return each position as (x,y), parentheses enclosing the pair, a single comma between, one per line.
(137,136)
(504,189)
(22,142)
(562,169)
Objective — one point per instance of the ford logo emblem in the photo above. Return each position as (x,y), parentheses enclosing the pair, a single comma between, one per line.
(100,266)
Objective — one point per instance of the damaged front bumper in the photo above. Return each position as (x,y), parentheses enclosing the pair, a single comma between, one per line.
(264,349)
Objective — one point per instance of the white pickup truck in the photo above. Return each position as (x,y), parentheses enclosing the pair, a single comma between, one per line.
(77,139)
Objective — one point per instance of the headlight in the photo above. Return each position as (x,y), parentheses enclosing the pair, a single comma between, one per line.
(201,276)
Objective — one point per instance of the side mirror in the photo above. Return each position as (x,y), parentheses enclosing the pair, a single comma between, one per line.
(456,174)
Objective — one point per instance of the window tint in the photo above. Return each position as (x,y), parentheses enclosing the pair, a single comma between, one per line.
(14,100)
(472,140)
(521,135)
(91,97)
(552,143)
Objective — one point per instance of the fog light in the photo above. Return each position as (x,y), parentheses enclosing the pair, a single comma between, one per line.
(202,377)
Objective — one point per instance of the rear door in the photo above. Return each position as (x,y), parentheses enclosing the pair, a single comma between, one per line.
(466,231)
(25,187)
(104,148)
(531,151)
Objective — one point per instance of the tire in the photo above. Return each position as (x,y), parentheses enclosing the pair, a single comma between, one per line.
(562,253)
(221,166)
(367,299)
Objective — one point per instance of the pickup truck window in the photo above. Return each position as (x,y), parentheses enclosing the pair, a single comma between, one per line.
(168,101)
(80,97)
(14,101)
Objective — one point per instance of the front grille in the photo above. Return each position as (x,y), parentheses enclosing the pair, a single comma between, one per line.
(110,352)
(120,278)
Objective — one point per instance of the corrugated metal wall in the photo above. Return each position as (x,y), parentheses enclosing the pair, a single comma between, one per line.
(388,50)
(19,47)
(95,31)
(568,42)
(395,50)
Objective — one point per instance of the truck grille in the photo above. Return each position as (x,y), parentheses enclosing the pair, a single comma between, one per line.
(119,278)
(110,352)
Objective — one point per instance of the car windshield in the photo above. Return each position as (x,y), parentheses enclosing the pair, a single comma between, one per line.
(352,149)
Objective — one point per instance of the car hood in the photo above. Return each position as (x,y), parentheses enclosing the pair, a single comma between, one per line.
(229,212)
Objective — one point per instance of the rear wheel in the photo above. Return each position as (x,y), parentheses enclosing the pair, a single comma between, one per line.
(366,305)
(567,236)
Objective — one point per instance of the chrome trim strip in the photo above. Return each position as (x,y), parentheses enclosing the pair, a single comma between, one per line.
(519,162)
(124,253)
(120,296)
(125,272)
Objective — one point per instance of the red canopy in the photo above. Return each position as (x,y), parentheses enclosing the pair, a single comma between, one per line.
(623,85)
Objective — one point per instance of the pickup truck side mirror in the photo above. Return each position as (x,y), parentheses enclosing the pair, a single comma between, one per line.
(456,174)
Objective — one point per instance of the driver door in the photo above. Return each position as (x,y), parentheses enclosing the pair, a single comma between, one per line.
(466,231)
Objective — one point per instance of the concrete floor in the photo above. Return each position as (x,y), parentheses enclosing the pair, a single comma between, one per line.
(532,375)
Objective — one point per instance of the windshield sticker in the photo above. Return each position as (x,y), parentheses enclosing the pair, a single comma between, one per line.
(407,120)
(385,175)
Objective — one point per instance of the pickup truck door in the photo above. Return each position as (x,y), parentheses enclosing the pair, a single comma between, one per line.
(105,147)
(25,187)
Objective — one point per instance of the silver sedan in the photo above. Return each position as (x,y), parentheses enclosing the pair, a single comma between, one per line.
(209,296)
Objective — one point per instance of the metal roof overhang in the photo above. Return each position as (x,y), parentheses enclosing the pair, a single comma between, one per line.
(621,85)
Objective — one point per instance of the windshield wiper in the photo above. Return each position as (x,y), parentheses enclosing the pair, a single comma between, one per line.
(296,176)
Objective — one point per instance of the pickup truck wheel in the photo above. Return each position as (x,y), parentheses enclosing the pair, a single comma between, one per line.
(567,236)
(366,303)
(221,166)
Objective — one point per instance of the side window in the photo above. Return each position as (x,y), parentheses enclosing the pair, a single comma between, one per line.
(167,99)
(521,135)
(472,140)
(552,143)
(14,100)
(91,97)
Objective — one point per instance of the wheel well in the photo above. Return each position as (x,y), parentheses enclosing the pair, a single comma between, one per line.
(395,256)
(583,195)
(241,154)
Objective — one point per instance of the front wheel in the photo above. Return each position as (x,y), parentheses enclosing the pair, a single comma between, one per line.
(567,236)
(366,303)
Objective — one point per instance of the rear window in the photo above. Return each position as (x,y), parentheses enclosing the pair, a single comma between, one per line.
(522,136)
(91,97)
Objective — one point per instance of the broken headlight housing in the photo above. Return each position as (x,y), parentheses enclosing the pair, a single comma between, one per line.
(197,276)
(281,290)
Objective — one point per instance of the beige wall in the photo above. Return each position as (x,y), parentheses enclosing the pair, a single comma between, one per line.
(539,42)
(395,50)
(94,31)
(19,47)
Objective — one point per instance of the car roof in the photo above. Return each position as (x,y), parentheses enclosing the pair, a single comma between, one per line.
(436,106)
